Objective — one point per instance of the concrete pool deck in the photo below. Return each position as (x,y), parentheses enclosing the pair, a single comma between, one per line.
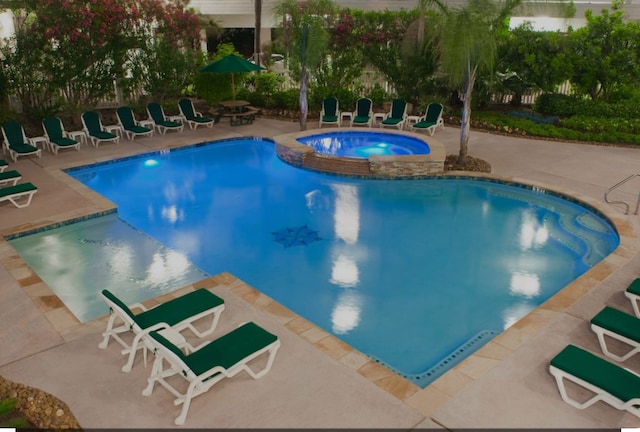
(317,381)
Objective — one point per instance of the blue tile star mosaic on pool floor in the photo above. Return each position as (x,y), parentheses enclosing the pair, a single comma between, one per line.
(296,236)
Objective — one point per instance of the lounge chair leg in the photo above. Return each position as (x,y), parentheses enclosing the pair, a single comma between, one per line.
(272,356)
(15,202)
(107,333)
(132,353)
(211,329)
(574,403)
(601,333)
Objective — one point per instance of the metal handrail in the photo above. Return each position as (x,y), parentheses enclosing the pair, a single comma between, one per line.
(617,185)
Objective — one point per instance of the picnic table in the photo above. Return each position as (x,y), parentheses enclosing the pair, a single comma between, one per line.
(239,112)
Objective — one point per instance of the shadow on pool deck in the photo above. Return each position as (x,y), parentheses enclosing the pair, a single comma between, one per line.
(316,381)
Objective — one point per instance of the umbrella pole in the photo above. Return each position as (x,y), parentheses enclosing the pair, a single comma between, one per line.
(233,87)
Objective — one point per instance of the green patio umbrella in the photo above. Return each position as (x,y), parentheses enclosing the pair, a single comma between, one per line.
(232,64)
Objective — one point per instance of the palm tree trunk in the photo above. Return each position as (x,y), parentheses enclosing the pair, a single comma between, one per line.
(465,121)
(304,106)
(258,27)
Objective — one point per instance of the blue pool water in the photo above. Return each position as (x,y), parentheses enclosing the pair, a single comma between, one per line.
(414,273)
(362,144)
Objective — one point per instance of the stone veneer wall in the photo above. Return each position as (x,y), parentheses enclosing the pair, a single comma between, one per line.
(337,165)
(405,166)
(300,155)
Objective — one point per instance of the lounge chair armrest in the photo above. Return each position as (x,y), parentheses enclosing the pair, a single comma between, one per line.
(138,306)
(157,326)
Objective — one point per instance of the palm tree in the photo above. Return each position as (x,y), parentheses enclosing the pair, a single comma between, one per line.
(468,46)
(257,50)
(305,38)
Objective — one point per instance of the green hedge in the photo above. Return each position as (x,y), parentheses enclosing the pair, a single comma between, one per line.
(566,106)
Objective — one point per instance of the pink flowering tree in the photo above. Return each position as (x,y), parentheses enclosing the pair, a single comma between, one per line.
(169,55)
(87,47)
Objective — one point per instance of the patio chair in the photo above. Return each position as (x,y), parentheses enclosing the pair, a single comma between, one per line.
(397,115)
(3,165)
(330,112)
(57,137)
(209,363)
(162,122)
(16,141)
(431,119)
(7,177)
(14,194)
(179,314)
(633,294)
(191,116)
(95,131)
(611,323)
(130,126)
(610,383)
(363,115)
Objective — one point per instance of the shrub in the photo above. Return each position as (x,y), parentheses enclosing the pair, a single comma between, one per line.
(346,97)
(556,104)
(613,124)
(288,99)
(8,410)
(378,95)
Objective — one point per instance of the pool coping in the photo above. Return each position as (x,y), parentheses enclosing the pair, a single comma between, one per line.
(426,400)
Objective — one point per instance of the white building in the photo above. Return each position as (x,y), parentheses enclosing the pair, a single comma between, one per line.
(544,14)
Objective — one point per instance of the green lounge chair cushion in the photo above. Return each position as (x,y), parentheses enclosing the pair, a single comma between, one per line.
(226,351)
(53,128)
(391,121)
(64,141)
(8,175)
(138,129)
(169,124)
(618,322)
(125,114)
(330,107)
(174,311)
(329,118)
(102,135)
(424,124)
(634,287)
(14,133)
(607,376)
(3,163)
(361,119)
(19,188)
(397,108)
(189,113)
(157,115)
(23,148)
(94,127)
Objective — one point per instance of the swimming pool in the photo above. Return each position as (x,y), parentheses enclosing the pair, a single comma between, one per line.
(363,144)
(365,260)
